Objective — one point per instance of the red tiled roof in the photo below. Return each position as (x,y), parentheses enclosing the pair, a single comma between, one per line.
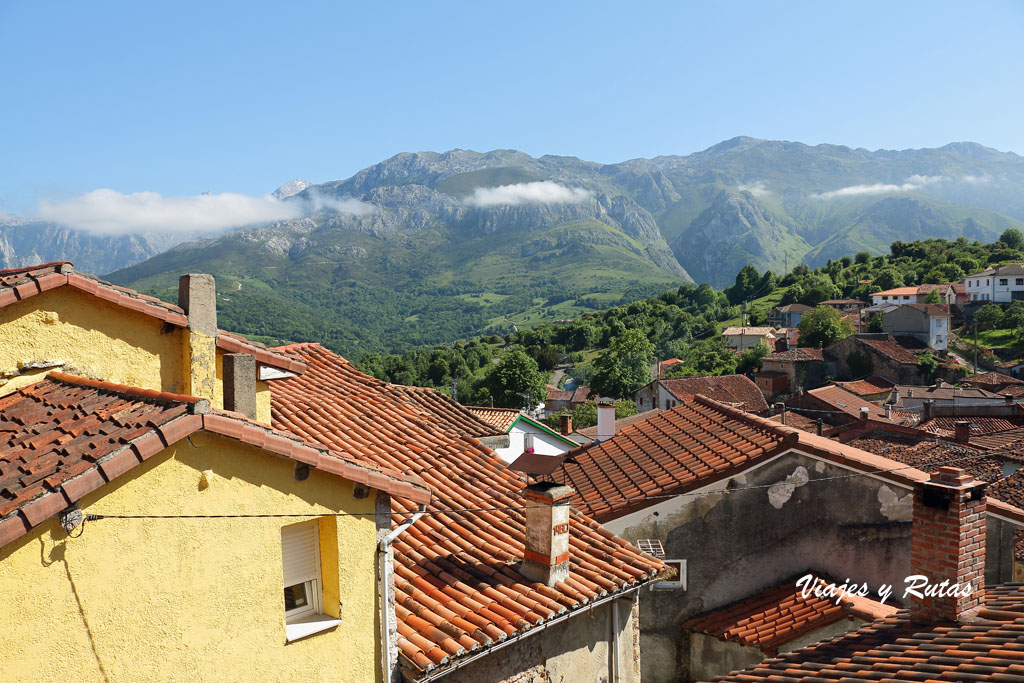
(456,579)
(846,402)
(64,437)
(929,454)
(931,310)
(580,395)
(867,387)
(795,355)
(456,415)
(724,388)
(991,648)
(901,349)
(556,394)
(797,421)
(500,419)
(987,380)
(690,446)
(946,426)
(999,440)
(620,423)
(19,284)
(898,291)
(781,614)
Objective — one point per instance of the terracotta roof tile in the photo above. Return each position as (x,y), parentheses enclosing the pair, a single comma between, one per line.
(980,425)
(797,421)
(18,284)
(929,453)
(846,402)
(795,355)
(781,614)
(736,389)
(459,570)
(500,419)
(867,387)
(901,349)
(64,436)
(456,415)
(895,649)
(988,380)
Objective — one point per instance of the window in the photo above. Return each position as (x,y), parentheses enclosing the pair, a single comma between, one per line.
(677,582)
(1003,281)
(1019,281)
(303,583)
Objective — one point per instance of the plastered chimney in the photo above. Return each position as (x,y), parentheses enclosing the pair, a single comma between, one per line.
(605,420)
(865,413)
(948,543)
(197,296)
(546,555)
(240,383)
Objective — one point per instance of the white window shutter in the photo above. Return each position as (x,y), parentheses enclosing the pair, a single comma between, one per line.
(299,553)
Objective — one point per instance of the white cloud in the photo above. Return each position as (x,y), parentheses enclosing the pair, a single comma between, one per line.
(758,188)
(544,192)
(914,182)
(110,212)
(977,179)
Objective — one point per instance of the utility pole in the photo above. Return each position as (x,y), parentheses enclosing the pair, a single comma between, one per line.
(975,347)
(744,318)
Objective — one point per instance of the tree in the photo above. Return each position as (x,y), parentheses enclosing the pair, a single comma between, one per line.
(1013,318)
(625,366)
(876,323)
(889,278)
(933,297)
(751,359)
(823,326)
(586,414)
(516,382)
(862,257)
(706,357)
(989,317)
(928,363)
(1012,238)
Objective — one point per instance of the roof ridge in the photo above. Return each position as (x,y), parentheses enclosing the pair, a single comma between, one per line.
(296,345)
(26,269)
(784,431)
(127,390)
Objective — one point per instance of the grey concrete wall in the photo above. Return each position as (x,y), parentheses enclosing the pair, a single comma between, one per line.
(578,649)
(713,657)
(738,543)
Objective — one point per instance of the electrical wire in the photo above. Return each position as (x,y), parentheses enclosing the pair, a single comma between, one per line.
(582,504)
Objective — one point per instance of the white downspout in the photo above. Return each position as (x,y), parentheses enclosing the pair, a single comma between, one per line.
(614,662)
(386,612)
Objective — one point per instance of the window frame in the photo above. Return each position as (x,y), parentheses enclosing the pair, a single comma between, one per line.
(310,618)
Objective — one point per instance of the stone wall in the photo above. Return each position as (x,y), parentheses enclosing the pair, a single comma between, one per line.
(577,649)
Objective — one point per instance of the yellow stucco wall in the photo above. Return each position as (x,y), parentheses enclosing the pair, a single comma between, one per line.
(102,341)
(179,599)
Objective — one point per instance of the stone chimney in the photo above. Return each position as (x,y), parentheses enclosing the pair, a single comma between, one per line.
(605,420)
(888,411)
(962,431)
(197,296)
(546,556)
(566,424)
(240,383)
(926,410)
(948,545)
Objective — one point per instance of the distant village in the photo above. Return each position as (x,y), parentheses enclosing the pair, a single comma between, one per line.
(177,501)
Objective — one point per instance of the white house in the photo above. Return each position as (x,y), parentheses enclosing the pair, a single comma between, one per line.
(743,338)
(523,432)
(1001,284)
(926,322)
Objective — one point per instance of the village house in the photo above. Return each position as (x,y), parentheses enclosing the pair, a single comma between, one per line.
(834,405)
(880,354)
(973,634)
(735,390)
(914,397)
(844,305)
(112,497)
(995,382)
(729,498)
(915,295)
(788,315)
(332,453)
(525,434)
(792,370)
(928,323)
(1001,284)
(872,389)
(743,338)
(558,400)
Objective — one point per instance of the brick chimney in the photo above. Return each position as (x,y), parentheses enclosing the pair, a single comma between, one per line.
(240,383)
(546,556)
(962,431)
(566,424)
(948,543)
(605,420)
(197,296)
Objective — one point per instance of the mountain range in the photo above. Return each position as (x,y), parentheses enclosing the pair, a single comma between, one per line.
(426,247)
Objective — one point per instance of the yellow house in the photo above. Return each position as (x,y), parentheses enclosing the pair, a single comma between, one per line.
(53,317)
(149,535)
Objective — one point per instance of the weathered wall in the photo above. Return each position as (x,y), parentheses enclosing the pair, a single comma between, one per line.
(577,649)
(188,599)
(738,543)
(95,338)
(713,657)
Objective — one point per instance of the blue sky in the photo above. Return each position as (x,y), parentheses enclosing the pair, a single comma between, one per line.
(181,98)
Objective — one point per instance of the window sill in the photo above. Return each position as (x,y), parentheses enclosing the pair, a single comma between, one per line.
(307,626)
